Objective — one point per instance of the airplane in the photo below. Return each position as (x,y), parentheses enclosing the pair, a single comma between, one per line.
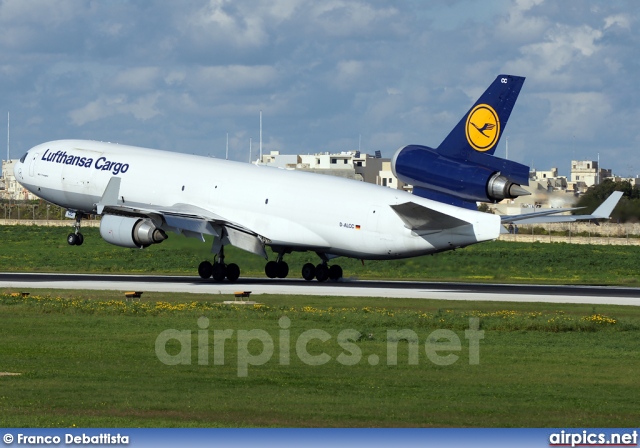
(143,194)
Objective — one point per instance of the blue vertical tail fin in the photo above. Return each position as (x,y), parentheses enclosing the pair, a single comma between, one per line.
(480,128)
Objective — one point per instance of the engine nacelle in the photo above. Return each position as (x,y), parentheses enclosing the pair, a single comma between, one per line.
(130,232)
(480,177)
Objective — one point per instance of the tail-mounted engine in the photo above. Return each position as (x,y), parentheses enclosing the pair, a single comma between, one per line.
(130,232)
(478,177)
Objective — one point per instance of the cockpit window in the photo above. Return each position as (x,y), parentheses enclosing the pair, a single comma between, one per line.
(24,157)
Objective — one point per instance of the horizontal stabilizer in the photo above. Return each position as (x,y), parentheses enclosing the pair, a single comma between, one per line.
(602,212)
(419,218)
(606,208)
(533,215)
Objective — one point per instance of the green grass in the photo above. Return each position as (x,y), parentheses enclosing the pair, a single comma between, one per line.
(44,249)
(90,360)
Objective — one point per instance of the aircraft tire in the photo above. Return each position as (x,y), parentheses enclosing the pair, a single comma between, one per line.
(80,239)
(308,272)
(271,269)
(72,239)
(205,269)
(335,272)
(322,272)
(283,269)
(233,272)
(218,272)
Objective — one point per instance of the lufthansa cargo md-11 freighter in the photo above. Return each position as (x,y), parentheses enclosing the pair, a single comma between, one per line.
(254,207)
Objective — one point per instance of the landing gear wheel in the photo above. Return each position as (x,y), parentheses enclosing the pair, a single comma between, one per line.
(233,272)
(271,269)
(218,271)
(283,269)
(72,239)
(76,238)
(322,272)
(335,272)
(308,272)
(205,269)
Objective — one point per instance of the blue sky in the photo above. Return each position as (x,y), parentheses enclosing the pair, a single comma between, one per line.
(181,75)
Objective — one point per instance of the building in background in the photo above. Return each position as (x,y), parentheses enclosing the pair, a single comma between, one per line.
(585,174)
(346,164)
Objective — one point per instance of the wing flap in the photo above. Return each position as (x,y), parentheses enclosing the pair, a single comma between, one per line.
(188,224)
(246,241)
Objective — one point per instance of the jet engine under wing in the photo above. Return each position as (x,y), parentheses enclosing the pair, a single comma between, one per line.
(602,212)
(425,220)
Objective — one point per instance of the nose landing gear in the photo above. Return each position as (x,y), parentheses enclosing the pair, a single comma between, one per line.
(76,238)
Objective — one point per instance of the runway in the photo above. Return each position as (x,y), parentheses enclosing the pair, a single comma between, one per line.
(347,287)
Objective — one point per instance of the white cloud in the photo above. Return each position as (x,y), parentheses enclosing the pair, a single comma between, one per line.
(551,60)
(348,72)
(214,24)
(40,12)
(518,25)
(620,20)
(344,18)
(233,77)
(175,77)
(582,115)
(138,78)
(142,108)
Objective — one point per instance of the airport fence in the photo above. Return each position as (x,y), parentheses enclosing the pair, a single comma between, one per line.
(607,233)
(48,222)
(573,233)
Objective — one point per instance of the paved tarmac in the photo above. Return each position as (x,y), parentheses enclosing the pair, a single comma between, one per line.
(346,287)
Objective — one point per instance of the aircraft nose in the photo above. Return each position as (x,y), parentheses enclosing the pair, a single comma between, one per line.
(19,166)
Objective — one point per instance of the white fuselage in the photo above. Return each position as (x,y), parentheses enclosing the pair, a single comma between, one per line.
(290,209)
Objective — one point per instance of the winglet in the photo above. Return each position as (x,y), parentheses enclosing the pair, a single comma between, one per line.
(605,209)
(110,195)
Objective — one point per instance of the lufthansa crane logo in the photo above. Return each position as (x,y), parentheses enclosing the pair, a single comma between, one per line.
(483,127)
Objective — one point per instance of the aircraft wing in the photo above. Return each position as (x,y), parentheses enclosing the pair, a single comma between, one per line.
(425,220)
(548,216)
(186,219)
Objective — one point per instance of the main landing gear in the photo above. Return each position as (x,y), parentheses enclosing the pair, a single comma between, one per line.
(321,272)
(219,270)
(76,238)
(277,269)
